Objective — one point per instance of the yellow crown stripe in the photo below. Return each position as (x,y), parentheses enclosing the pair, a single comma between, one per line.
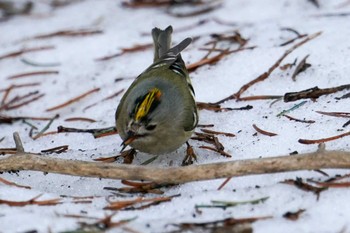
(143,109)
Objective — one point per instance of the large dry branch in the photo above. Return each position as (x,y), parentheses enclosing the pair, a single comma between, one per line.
(320,159)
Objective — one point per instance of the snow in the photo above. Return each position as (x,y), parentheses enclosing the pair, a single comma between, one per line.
(260,22)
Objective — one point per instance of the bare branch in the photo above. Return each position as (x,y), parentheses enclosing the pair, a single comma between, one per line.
(177,175)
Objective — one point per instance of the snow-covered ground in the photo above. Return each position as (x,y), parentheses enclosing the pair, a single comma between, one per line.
(260,22)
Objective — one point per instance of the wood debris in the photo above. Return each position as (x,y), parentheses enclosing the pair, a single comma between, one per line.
(56,150)
(313,93)
(101,132)
(299,183)
(293,215)
(301,67)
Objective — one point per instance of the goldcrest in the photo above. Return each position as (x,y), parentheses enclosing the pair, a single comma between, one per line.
(158,112)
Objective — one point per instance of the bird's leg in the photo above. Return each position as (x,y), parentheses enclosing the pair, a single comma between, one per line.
(190,156)
(128,156)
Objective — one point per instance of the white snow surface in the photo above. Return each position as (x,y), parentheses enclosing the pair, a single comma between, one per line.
(261,23)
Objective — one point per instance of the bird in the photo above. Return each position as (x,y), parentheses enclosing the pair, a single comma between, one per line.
(158,113)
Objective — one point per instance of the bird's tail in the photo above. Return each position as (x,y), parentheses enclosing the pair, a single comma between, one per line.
(162,41)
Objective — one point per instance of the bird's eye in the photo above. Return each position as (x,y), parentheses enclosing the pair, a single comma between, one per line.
(151,127)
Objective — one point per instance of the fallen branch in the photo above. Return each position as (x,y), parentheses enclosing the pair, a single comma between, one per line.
(321,159)
(313,93)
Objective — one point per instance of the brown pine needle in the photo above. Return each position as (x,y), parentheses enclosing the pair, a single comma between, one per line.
(34,73)
(2,180)
(224,183)
(331,185)
(318,141)
(25,50)
(206,61)
(80,119)
(104,99)
(11,106)
(217,132)
(136,48)
(46,134)
(263,131)
(298,120)
(32,201)
(73,100)
(20,86)
(335,114)
(68,33)
(118,205)
(216,150)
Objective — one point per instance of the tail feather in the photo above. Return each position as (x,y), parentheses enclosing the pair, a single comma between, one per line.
(162,41)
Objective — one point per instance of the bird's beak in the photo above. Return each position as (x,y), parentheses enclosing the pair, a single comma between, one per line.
(131,137)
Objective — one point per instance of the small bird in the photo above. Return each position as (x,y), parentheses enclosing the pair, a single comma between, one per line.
(158,112)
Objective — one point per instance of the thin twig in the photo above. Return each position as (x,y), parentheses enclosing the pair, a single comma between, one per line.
(313,93)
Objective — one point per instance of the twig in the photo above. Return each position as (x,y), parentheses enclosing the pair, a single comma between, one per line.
(261,97)
(57,150)
(293,215)
(313,93)
(265,75)
(18,143)
(302,66)
(96,132)
(320,159)
(45,127)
